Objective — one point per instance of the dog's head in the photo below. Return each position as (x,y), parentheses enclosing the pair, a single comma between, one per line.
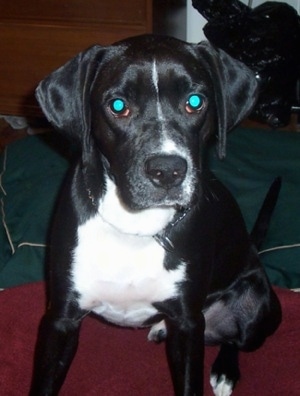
(148,103)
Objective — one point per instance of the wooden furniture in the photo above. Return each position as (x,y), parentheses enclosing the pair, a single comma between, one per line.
(37,36)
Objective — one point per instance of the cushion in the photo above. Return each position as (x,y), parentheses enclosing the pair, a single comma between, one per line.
(255,157)
(113,361)
(31,171)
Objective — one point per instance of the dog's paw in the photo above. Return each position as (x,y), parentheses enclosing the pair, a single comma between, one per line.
(221,385)
(158,332)
(225,371)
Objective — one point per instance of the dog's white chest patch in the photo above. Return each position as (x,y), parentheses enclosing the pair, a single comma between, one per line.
(119,276)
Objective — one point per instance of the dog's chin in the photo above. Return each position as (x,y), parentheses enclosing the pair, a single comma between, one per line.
(157,200)
(136,219)
(143,223)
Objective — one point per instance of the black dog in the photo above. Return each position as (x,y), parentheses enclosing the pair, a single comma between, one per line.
(143,234)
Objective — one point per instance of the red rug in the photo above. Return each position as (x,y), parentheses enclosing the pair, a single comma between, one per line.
(114,361)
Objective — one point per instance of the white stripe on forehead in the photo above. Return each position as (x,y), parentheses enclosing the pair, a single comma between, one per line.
(155,83)
(168,146)
(155,76)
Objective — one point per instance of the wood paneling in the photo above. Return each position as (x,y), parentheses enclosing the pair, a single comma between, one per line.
(97,12)
(32,52)
(37,36)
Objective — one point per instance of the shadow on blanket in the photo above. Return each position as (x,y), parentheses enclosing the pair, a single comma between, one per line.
(114,362)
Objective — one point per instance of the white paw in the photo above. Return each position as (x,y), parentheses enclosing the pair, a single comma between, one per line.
(221,386)
(158,332)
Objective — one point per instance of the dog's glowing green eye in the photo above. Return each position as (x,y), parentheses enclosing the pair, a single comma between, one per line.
(194,103)
(118,106)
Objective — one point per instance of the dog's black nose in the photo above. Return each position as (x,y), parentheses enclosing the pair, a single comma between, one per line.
(166,170)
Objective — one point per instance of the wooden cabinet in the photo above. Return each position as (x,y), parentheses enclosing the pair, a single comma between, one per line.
(37,36)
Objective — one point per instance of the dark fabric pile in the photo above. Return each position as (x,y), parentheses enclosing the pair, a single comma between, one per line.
(265,38)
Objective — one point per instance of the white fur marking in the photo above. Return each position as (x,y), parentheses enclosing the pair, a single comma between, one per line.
(169,147)
(119,276)
(153,334)
(143,223)
(221,387)
(155,83)
(155,77)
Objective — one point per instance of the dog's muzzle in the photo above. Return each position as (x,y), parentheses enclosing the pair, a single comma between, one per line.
(166,171)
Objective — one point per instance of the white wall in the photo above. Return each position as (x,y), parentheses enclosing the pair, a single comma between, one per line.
(195,21)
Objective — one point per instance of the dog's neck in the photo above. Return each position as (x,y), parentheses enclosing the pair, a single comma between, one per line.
(163,237)
(148,222)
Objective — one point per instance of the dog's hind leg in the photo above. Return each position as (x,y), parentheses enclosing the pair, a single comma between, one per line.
(221,326)
(225,371)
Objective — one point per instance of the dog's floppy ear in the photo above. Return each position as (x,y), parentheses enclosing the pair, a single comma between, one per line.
(64,93)
(235,89)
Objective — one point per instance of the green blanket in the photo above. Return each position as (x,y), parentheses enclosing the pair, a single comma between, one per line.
(31,173)
(32,170)
(254,159)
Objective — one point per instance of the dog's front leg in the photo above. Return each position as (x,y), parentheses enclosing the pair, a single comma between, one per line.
(185,350)
(56,346)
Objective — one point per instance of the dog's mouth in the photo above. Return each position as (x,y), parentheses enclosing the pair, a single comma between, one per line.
(140,193)
(155,198)
(145,217)
(143,197)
